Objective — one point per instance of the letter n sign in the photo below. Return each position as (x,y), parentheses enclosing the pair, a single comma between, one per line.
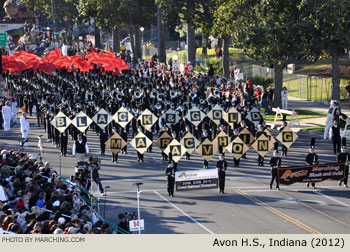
(263,145)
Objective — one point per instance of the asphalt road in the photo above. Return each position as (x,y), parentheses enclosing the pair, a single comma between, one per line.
(248,206)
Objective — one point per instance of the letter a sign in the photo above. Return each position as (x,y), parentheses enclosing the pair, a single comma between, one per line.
(147,119)
(81,121)
(207,149)
(141,143)
(102,118)
(61,122)
(287,137)
(176,149)
(115,143)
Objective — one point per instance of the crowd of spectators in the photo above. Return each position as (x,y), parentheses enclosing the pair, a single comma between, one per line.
(35,200)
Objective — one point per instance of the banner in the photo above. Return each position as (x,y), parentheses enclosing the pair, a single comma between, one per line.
(81,121)
(102,118)
(170,117)
(237,147)
(223,140)
(163,140)
(254,116)
(141,143)
(262,145)
(189,142)
(216,114)
(176,149)
(115,143)
(122,117)
(207,149)
(287,137)
(311,173)
(195,116)
(196,180)
(147,119)
(232,117)
(61,122)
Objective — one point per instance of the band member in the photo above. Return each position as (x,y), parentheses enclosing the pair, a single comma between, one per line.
(187,129)
(257,135)
(204,137)
(80,148)
(333,113)
(24,128)
(275,162)
(64,143)
(221,167)
(311,158)
(234,136)
(149,134)
(344,157)
(284,148)
(335,136)
(170,172)
(139,155)
(114,156)
(103,139)
(124,135)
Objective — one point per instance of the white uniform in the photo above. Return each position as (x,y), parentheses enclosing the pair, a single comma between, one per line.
(24,127)
(329,122)
(7,115)
(14,111)
(284,99)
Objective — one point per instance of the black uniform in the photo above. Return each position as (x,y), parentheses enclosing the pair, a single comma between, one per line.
(170,172)
(275,162)
(64,143)
(221,166)
(344,158)
(260,158)
(336,139)
(311,159)
(284,148)
(236,161)
(103,139)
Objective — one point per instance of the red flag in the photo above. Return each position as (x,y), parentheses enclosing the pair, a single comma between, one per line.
(53,55)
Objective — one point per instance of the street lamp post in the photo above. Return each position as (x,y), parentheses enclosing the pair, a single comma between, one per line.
(138,204)
(104,208)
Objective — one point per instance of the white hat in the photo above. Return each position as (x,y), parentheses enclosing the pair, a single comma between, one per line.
(61,220)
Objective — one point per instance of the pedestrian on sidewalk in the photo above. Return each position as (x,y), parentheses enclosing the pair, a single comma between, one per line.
(7,115)
(24,128)
(284,98)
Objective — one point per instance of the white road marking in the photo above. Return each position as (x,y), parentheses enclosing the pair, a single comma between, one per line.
(291,200)
(331,198)
(205,228)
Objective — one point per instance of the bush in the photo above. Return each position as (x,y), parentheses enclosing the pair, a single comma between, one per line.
(262,81)
(217,65)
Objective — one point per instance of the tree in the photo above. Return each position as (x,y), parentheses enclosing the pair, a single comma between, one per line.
(59,11)
(268,31)
(327,24)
